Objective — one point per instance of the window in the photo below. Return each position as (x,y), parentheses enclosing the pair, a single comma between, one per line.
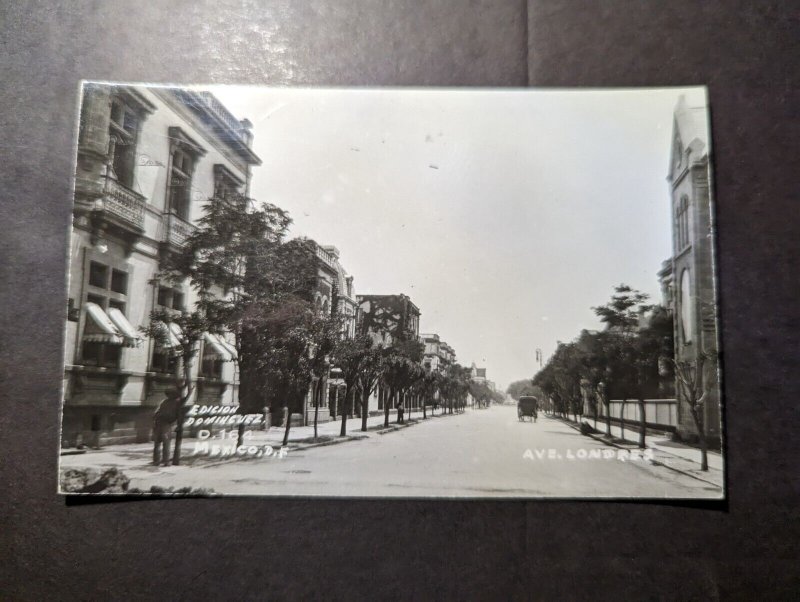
(170,298)
(165,361)
(123,132)
(98,275)
(103,355)
(682,230)
(184,156)
(107,287)
(211,364)
(687,308)
(226,184)
(180,182)
(119,281)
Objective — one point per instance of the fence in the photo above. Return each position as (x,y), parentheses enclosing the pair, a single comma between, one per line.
(658,413)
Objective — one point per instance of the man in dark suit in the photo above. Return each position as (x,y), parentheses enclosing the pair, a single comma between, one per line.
(166,415)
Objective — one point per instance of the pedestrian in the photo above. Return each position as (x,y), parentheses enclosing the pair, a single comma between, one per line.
(163,419)
(400,409)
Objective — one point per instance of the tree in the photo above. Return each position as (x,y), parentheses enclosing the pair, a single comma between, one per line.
(292,338)
(400,371)
(355,358)
(185,343)
(214,260)
(694,388)
(426,388)
(622,316)
(518,388)
(368,378)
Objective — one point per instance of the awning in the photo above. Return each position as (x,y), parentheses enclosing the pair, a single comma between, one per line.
(132,338)
(175,335)
(99,328)
(171,340)
(231,349)
(215,348)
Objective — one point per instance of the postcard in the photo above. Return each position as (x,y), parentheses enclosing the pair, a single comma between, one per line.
(397,292)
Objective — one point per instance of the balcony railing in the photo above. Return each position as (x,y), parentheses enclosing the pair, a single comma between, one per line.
(213,105)
(124,203)
(177,229)
(326,257)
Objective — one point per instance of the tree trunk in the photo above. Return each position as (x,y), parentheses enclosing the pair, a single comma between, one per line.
(642,423)
(187,374)
(387,401)
(345,409)
(608,418)
(364,409)
(701,433)
(622,420)
(315,392)
(240,435)
(424,407)
(288,426)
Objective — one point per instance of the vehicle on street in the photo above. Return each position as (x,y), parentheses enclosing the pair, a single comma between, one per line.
(527,406)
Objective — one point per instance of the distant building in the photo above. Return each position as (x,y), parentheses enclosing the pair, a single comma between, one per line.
(387,319)
(334,293)
(687,278)
(148,158)
(438,354)
(477,375)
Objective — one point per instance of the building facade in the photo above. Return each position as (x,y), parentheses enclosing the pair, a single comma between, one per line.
(148,158)
(334,294)
(387,319)
(688,276)
(438,354)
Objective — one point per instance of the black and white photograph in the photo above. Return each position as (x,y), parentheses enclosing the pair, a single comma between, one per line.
(392,293)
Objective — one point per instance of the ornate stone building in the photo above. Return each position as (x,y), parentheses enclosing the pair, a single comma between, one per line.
(438,354)
(688,276)
(334,293)
(388,319)
(147,160)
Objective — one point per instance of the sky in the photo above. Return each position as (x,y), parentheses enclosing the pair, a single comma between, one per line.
(505,215)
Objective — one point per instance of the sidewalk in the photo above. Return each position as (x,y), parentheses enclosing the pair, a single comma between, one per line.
(137,457)
(676,456)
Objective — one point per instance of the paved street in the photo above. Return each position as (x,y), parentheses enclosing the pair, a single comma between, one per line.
(479,453)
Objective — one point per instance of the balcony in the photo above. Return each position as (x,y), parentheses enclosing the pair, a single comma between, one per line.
(176,230)
(326,257)
(122,204)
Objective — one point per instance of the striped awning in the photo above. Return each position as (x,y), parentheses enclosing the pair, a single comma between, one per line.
(99,328)
(171,335)
(128,332)
(231,349)
(215,348)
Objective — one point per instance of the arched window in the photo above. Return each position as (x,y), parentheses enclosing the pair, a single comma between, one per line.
(687,308)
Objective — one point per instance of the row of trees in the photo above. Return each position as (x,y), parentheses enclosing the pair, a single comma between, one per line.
(254,283)
(625,361)
(630,360)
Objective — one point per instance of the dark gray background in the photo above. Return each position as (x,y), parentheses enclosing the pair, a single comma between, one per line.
(747,52)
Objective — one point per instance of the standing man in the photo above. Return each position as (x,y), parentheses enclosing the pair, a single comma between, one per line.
(166,415)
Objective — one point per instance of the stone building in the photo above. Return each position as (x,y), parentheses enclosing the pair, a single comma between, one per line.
(148,157)
(334,293)
(438,354)
(687,278)
(387,319)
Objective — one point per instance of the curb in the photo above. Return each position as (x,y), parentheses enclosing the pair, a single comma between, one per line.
(602,439)
(302,447)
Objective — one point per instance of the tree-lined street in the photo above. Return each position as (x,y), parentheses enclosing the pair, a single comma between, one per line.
(478,453)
